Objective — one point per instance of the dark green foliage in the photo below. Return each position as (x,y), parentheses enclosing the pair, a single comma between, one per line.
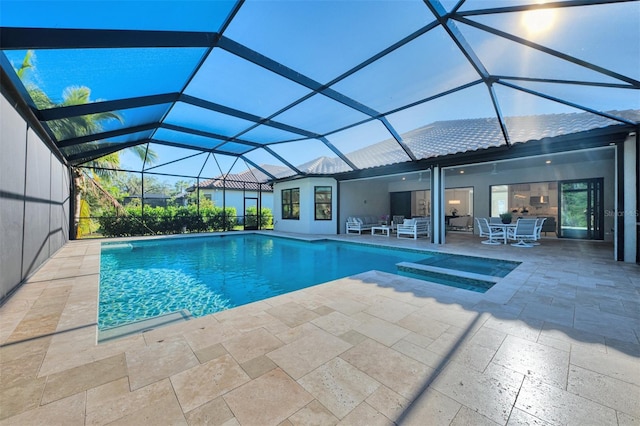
(166,220)
(506,217)
(266,217)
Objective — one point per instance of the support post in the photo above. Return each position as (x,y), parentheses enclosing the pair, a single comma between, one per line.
(437,209)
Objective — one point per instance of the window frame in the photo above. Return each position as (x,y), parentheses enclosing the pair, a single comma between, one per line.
(323,205)
(288,205)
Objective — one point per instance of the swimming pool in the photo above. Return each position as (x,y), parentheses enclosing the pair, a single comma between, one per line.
(203,275)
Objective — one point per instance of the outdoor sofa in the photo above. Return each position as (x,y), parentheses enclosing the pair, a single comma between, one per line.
(361,223)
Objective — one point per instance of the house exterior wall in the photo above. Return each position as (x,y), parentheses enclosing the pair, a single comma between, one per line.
(353,194)
(367,197)
(34,207)
(594,169)
(235,198)
(307,223)
(363,198)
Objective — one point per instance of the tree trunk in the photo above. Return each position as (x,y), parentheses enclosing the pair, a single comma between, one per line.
(77,196)
(83,184)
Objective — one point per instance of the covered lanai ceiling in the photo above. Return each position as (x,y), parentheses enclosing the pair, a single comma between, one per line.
(317,87)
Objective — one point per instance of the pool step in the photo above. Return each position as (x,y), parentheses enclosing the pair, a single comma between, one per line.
(447,271)
(143,325)
(117,246)
(452,278)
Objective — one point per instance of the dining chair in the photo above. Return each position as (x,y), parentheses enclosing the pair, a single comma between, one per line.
(539,224)
(491,233)
(524,233)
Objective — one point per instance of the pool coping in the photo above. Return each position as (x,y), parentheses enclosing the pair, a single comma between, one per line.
(143,325)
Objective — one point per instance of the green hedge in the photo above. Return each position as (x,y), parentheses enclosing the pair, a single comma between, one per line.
(266,218)
(167,220)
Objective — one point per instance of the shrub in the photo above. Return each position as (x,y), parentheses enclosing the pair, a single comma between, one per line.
(170,220)
(251,217)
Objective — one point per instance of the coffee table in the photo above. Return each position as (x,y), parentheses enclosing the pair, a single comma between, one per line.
(383,231)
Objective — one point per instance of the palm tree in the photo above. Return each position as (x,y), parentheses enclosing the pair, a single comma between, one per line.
(71,127)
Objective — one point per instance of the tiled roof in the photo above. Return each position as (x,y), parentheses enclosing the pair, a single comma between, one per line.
(458,136)
(247,180)
(233,182)
(324,165)
(442,138)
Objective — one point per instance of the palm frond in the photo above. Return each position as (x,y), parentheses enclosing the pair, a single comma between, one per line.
(104,193)
(26,64)
(105,166)
(75,95)
(40,99)
(143,152)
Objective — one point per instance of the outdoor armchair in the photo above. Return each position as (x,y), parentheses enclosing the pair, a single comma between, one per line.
(493,234)
(414,227)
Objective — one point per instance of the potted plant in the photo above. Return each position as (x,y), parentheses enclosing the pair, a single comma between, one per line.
(506,217)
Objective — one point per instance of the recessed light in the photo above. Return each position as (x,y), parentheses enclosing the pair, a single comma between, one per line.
(461,171)
(403,178)
(548,161)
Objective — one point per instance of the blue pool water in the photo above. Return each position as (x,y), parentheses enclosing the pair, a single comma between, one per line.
(144,279)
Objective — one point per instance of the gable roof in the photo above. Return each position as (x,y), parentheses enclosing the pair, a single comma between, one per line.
(252,179)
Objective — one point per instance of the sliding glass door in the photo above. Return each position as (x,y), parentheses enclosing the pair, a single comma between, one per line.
(581,213)
(401,204)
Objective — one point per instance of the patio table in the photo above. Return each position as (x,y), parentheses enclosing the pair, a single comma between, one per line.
(384,230)
(505,228)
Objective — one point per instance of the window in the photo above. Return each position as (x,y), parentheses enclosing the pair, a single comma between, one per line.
(322,199)
(207,197)
(458,201)
(539,199)
(291,203)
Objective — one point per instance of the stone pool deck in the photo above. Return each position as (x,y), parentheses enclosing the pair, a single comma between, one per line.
(555,342)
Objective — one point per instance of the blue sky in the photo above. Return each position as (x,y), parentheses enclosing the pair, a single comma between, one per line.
(184,15)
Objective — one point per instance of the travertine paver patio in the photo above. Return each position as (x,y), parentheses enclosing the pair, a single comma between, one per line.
(555,342)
